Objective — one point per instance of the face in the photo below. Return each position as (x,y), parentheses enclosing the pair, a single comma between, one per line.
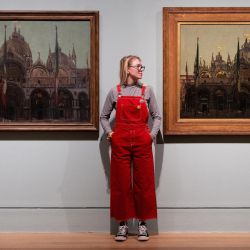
(135,70)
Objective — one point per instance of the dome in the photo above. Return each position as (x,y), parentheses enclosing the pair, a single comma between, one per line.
(64,60)
(17,46)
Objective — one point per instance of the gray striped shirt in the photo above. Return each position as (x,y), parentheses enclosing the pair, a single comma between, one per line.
(134,90)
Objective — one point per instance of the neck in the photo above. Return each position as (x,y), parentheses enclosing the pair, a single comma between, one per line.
(131,82)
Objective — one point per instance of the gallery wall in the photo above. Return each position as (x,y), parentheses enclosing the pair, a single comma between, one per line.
(60,181)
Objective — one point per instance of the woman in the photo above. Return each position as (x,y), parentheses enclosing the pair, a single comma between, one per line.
(132,168)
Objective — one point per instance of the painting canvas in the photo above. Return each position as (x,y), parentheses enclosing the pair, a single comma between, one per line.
(49,71)
(215,71)
(207,83)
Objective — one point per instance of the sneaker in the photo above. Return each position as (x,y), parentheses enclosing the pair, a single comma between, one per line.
(122,233)
(142,231)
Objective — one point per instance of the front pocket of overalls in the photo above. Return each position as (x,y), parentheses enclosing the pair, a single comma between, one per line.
(149,135)
(131,112)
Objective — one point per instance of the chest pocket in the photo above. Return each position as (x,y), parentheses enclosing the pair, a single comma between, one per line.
(131,112)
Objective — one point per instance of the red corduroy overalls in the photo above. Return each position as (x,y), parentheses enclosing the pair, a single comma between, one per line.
(132,192)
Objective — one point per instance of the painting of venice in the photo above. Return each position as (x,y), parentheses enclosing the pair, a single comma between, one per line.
(44,71)
(214,71)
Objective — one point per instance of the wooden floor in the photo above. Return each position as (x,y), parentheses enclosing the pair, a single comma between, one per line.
(104,241)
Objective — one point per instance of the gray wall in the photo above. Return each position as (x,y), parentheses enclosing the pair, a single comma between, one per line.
(50,182)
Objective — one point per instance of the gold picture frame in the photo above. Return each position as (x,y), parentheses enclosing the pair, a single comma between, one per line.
(206,71)
(49,71)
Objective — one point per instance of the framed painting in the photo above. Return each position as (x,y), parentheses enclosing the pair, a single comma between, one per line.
(206,71)
(49,71)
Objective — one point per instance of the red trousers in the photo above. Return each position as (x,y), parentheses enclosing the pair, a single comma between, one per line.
(132,167)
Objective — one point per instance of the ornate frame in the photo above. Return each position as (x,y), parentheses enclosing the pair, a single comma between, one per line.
(60,94)
(175,122)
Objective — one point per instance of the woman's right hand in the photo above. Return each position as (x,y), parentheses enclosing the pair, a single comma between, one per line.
(109,136)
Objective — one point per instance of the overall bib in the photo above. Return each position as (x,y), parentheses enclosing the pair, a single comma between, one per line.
(132,166)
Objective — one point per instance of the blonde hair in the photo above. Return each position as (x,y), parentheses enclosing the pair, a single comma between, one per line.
(124,64)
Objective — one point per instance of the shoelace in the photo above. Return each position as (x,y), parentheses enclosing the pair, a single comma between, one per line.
(122,230)
(142,230)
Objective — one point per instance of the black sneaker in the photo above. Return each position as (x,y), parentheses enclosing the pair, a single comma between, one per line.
(122,233)
(142,231)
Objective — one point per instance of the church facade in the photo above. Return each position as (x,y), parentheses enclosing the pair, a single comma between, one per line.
(218,89)
(35,91)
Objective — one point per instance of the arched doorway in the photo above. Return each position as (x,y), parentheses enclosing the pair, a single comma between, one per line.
(220,99)
(243,102)
(84,106)
(39,104)
(203,101)
(12,102)
(63,104)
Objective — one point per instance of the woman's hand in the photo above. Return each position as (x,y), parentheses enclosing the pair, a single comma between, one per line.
(109,136)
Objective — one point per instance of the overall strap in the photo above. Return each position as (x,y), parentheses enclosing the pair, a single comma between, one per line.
(119,89)
(143,88)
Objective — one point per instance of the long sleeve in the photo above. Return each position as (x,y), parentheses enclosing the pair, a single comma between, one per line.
(155,113)
(106,112)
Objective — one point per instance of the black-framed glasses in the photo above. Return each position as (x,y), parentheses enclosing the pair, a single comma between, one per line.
(138,67)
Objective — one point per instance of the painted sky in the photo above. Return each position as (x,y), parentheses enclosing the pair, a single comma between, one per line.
(212,39)
(42,34)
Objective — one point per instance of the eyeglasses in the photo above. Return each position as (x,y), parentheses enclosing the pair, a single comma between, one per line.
(138,67)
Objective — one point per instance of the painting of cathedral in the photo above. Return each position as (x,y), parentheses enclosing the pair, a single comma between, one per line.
(219,86)
(36,87)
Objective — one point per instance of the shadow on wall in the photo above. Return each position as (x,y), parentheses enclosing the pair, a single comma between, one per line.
(159,152)
(104,147)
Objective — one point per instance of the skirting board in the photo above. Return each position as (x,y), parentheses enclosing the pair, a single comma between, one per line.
(98,220)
